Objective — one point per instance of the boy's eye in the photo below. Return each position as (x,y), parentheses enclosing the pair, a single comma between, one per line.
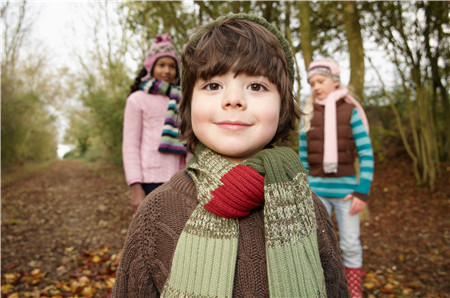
(212,86)
(256,87)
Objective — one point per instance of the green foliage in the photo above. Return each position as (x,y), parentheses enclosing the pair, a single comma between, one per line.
(106,107)
(149,18)
(412,34)
(79,133)
(146,19)
(96,127)
(390,25)
(28,132)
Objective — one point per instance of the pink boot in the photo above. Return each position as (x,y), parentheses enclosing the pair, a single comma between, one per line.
(354,278)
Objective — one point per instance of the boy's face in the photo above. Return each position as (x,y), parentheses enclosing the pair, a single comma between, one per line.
(322,85)
(165,69)
(235,116)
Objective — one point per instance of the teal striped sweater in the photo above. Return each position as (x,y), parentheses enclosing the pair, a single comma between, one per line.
(339,187)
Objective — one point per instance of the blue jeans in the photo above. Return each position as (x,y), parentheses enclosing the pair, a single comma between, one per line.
(348,226)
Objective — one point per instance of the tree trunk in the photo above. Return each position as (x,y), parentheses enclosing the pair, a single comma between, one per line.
(267,12)
(305,32)
(355,47)
(400,126)
(433,27)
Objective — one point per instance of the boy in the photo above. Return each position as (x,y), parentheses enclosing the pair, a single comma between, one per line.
(240,220)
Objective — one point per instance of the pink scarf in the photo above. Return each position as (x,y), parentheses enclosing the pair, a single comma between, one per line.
(330,155)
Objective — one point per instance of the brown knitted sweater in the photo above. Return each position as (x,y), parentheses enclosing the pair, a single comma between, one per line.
(154,231)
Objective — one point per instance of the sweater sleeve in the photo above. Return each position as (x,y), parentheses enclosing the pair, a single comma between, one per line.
(133,276)
(303,149)
(365,153)
(131,143)
(330,256)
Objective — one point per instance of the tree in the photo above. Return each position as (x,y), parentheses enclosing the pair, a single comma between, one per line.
(399,28)
(355,47)
(330,28)
(105,80)
(28,131)
(147,19)
(305,32)
(435,21)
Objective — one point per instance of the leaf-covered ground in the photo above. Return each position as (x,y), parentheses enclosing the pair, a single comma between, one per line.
(63,227)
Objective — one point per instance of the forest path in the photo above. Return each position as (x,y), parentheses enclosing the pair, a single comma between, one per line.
(50,215)
(58,218)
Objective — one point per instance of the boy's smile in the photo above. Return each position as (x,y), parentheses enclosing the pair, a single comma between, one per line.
(233,125)
(236,116)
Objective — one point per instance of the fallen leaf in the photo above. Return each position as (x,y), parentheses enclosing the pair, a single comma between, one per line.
(96,259)
(6,288)
(11,278)
(88,291)
(69,249)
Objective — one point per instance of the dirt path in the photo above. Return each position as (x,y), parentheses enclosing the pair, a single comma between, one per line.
(52,214)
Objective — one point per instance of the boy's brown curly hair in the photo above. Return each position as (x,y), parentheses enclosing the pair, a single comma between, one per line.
(239,45)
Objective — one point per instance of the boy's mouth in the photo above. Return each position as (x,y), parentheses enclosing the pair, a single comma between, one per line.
(233,125)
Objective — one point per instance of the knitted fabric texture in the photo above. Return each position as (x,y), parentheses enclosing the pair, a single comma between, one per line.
(161,48)
(327,67)
(256,19)
(205,257)
(241,192)
(149,247)
(354,278)
(169,143)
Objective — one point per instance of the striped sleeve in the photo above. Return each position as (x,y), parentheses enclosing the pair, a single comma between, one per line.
(303,149)
(365,153)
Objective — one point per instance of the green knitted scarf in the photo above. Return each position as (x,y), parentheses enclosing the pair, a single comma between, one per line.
(205,257)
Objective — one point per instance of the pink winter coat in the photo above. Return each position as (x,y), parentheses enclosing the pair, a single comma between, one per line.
(142,129)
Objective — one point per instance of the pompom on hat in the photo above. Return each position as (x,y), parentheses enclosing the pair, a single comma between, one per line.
(161,48)
(327,67)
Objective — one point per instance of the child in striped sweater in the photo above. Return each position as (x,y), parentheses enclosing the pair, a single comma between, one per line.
(334,133)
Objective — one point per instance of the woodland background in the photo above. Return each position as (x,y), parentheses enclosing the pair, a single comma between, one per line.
(408,106)
(397,53)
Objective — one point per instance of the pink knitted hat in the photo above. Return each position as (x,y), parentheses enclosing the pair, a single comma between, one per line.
(162,48)
(327,67)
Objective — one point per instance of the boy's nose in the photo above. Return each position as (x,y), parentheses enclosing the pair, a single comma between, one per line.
(234,99)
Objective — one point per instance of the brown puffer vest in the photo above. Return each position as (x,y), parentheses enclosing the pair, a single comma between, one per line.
(346,144)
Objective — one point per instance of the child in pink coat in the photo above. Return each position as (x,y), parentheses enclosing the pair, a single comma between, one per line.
(151,151)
